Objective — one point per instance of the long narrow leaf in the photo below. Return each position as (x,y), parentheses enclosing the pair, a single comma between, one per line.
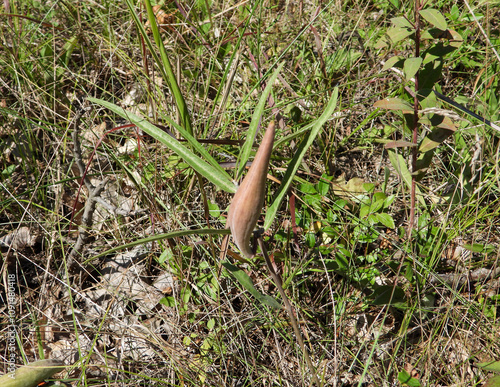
(159,237)
(254,124)
(197,146)
(208,171)
(297,159)
(162,61)
(247,283)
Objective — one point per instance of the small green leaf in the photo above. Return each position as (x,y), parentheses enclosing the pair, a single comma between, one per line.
(186,341)
(395,61)
(401,22)
(397,34)
(456,39)
(388,295)
(364,211)
(406,379)
(168,301)
(434,17)
(323,186)
(385,219)
(411,67)
(454,12)
(393,104)
(479,248)
(381,43)
(423,163)
(247,283)
(434,139)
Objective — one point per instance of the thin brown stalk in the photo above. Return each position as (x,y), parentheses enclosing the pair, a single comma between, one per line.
(291,313)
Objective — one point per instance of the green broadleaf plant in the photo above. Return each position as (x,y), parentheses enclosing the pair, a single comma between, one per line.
(425,67)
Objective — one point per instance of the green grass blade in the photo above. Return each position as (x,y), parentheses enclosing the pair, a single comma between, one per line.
(162,61)
(208,171)
(254,124)
(247,283)
(197,147)
(159,237)
(297,159)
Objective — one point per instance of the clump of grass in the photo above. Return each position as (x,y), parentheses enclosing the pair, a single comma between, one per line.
(376,304)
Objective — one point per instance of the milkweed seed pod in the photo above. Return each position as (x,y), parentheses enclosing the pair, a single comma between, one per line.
(248,200)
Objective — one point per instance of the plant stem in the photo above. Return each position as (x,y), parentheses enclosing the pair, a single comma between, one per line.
(415,121)
(279,283)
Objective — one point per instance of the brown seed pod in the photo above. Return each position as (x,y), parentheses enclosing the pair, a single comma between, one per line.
(249,198)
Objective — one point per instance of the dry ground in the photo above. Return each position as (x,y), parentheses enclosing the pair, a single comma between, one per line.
(375,304)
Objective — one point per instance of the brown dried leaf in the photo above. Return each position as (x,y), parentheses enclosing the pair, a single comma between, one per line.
(19,239)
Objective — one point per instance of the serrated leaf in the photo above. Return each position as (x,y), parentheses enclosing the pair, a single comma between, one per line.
(393,104)
(247,283)
(434,17)
(411,67)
